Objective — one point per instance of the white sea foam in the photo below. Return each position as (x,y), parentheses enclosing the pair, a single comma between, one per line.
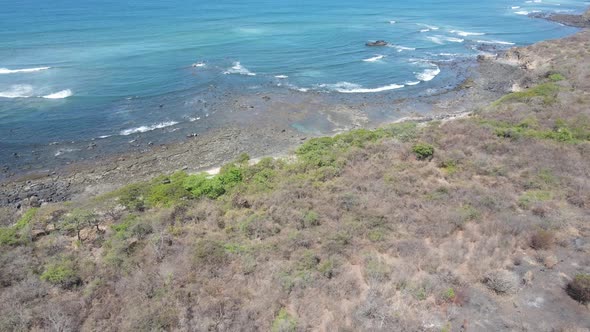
(431,27)
(521,12)
(375,58)
(428,74)
(438,39)
(24,70)
(424,30)
(194,119)
(466,34)
(199,64)
(454,40)
(400,48)
(239,69)
(18,91)
(413,83)
(281,76)
(515,7)
(435,40)
(59,95)
(66,150)
(347,87)
(392,22)
(500,42)
(143,129)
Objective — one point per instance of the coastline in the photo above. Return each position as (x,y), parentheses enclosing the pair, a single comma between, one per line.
(486,79)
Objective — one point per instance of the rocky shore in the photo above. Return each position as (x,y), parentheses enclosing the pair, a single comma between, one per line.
(267,127)
(578,21)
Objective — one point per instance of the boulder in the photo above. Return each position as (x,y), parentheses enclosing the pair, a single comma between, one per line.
(377,43)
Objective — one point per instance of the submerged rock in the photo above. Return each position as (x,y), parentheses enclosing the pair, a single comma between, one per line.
(377,43)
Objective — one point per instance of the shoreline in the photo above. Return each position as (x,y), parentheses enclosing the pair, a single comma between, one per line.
(486,79)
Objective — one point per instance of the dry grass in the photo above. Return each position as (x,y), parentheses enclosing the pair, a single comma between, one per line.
(357,234)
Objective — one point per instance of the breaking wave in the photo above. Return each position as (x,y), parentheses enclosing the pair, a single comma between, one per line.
(143,129)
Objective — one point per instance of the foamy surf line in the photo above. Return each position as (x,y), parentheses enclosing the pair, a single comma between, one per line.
(59,95)
(27,91)
(24,70)
(375,58)
(428,74)
(347,87)
(143,129)
(467,34)
(499,42)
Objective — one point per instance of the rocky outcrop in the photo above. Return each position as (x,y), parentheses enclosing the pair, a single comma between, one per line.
(578,21)
(377,43)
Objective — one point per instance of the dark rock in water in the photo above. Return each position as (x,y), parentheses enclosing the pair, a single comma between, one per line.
(488,48)
(377,43)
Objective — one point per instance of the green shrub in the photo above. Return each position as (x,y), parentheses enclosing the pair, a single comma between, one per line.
(579,288)
(326,268)
(284,322)
(449,295)
(423,151)
(61,273)
(204,185)
(547,91)
(16,234)
(556,77)
(311,218)
(534,196)
(243,158)
(167,191)
(132,196)
(376,235)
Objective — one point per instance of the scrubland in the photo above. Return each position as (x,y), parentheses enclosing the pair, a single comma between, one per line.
(476,224)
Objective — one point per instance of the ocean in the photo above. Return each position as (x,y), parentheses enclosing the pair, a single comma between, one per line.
(92,71)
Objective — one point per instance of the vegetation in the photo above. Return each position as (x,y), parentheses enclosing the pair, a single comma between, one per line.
(547,92)
(579,288)
(423,151)
(355,232)
(284,322)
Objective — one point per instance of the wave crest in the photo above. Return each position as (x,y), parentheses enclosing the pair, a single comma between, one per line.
(375,58)
(143,129)
(59,95)
(24,70)
(428,74)
(237,68)
(347,87)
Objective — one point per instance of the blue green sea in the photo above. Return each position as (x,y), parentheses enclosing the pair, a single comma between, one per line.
(78,71)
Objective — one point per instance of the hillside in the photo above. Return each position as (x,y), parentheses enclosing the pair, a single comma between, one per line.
(480,223)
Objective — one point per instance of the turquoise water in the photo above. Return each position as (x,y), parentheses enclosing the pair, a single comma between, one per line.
(82,70)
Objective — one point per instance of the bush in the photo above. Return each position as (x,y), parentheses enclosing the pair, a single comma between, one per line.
(542,240)
(556,77)
(15,235)
(61,273)
(132,196)
(579,288)
(204,185)
(210,252)
(501,281)
(167,191)
(423,151)
(547,91)
(284,322)
(311,218)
